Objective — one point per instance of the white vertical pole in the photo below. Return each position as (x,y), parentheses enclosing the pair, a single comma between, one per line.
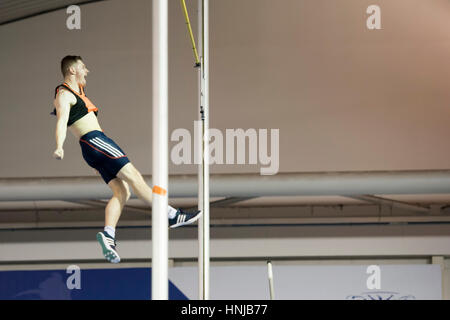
(200,143)
(205,71)
(160,261)
(270,275)
(203,226)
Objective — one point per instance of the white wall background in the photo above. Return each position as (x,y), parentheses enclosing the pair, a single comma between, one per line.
(343,97)
(318,282)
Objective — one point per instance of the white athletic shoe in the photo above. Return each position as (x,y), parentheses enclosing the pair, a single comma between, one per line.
(108,244)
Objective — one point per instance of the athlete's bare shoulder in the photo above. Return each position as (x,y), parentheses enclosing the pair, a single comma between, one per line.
(64,95)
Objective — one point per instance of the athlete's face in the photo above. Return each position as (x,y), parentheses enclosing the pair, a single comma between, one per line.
(81,72)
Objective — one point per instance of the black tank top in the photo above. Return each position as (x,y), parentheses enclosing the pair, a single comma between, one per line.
(82,107)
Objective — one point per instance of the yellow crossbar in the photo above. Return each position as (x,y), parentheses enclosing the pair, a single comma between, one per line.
(188,23)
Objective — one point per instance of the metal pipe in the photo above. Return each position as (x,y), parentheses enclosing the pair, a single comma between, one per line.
(270,276)
(205,215)
(203,224)
(103,204)
(392,203)
(160,157)
(200,151)
(240,185)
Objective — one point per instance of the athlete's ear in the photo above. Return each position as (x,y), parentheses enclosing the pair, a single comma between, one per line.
(72,69)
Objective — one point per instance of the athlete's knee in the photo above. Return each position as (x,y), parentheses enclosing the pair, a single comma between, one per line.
(120,190)
(123,197)
(124,192)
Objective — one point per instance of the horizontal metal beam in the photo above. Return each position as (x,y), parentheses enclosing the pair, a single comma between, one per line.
(229,201)
(254,222)
(240,185)
(393,203)
(103,204)
(223,203)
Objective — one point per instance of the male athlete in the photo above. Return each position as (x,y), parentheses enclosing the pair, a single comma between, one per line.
(76,112)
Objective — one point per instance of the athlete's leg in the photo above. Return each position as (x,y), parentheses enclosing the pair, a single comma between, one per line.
(134,178)
(121,194)
(176,217)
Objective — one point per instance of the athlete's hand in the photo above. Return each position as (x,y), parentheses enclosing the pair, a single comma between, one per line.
(58,154)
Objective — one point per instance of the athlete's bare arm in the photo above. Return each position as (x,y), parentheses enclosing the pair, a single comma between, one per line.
(63,101)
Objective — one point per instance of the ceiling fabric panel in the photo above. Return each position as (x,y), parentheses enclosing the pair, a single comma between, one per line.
(16,10)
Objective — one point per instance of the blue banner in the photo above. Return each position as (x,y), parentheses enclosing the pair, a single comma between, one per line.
(77,284)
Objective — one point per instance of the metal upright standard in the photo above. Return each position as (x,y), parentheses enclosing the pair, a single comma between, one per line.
(160,261)
(202,63)
(203,225)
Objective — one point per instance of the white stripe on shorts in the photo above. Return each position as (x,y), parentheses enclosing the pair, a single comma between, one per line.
(106,147)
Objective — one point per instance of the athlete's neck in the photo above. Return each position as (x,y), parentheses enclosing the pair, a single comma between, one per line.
(73,84)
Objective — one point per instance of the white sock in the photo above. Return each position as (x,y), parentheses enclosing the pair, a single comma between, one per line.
(171,212)
(111,231)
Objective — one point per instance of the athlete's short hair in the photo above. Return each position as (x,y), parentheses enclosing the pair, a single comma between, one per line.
(67,62)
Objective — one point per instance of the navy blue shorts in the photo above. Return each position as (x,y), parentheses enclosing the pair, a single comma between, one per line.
(103,154)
